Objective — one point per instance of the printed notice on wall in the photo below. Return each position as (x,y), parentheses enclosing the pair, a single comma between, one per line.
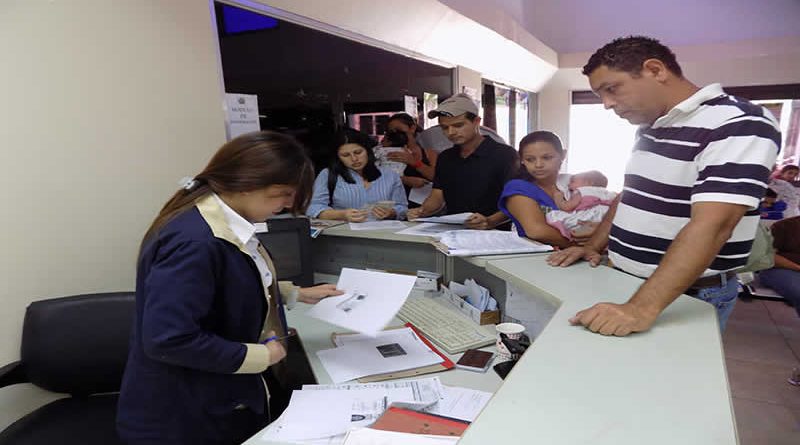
(242,114)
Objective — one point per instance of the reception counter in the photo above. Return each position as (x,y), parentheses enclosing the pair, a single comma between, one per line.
(665,386)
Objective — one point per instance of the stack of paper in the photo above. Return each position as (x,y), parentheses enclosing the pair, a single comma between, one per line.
(456,218)
(476,295)
(323,414)
(389,351)
(487,242)
(434,230)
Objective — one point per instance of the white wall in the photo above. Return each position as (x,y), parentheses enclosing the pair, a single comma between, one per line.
(773,61)
(106,104)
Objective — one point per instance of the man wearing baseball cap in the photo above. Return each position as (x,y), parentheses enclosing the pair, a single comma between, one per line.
(469,176)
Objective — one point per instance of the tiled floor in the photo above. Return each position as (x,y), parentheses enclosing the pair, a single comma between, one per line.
(762,345)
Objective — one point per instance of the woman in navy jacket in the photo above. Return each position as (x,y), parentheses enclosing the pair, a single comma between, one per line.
(206,299)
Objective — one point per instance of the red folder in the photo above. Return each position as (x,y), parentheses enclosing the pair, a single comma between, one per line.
(408,421)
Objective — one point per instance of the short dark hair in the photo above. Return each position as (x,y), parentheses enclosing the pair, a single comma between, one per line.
(789,167)
(770,193)
(629,53)
(470,116)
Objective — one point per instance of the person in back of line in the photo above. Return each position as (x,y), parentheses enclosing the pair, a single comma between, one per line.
(588,204)
(420,162)
(354,189)
(207,300)
(688,214)
(470,175)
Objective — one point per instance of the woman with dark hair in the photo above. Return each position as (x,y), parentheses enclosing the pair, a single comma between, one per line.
(207,304)
(354,189)
(420,162)
(537,189)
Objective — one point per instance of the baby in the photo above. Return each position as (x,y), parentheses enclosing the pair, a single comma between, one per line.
(588,203)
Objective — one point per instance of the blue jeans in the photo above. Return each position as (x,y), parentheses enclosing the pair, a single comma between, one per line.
(723,298)
(785,282)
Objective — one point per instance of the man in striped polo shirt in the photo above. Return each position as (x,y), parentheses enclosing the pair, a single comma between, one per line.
(687,215)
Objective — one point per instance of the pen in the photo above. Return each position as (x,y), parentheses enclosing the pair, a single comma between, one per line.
(275,337)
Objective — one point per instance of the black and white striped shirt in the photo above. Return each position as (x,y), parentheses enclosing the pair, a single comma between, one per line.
(712,147)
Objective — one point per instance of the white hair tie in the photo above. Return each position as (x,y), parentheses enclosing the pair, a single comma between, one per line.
(187,183)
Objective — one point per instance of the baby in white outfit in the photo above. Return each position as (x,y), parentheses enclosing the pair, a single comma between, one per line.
(588,203)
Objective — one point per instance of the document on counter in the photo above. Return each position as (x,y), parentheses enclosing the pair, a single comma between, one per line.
(370,301)
(456,218)
(312,415)
(420,194)
(378,225)
(417,393)
(486,242)
(460,403)
(427,229)
(389,351)
(369,436)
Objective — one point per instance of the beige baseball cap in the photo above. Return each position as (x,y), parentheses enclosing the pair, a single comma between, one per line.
(454,106)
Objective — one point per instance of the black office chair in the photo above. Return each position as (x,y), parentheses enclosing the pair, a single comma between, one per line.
(288,241)
(76,345)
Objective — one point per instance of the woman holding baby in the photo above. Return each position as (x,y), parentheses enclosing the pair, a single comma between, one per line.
(548,207)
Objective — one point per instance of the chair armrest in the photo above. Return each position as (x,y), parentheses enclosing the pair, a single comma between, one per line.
(11,374)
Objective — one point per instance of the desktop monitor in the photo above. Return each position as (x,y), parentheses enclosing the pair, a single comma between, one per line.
(288,241)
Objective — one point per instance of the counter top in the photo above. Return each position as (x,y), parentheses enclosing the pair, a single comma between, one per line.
(667,385)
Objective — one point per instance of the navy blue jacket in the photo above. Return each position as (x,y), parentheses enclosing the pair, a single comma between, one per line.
(199,300)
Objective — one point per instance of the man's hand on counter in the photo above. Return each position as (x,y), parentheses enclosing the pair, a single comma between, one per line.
(570,255)
(615,319)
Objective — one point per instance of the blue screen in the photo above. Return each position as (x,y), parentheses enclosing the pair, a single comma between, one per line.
(241,20)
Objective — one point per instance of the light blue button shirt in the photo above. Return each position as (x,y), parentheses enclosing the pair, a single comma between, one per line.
(354,196)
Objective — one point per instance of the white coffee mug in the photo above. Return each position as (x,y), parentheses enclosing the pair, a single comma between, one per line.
(513,331)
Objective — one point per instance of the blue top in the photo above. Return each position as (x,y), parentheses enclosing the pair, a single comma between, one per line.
(354,196)
(199,299)
(524,188)
(772,213)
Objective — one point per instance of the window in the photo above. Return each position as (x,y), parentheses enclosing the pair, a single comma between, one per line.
(506,111)
(599,140)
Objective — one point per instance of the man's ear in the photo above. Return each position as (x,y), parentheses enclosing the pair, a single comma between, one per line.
(656,69)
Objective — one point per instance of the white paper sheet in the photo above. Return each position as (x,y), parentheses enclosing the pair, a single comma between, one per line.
(488,242)
(457,218)
(420,194)
(413,394)
(390,351)
(312,415)
(368,436)
(428,229)
(460,403)
(370,301)
(378,225)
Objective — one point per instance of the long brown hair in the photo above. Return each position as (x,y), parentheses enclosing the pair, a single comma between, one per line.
(250,162)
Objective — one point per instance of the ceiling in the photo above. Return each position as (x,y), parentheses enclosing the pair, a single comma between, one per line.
(572,26)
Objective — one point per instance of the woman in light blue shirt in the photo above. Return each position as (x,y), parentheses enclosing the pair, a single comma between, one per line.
(354,189)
